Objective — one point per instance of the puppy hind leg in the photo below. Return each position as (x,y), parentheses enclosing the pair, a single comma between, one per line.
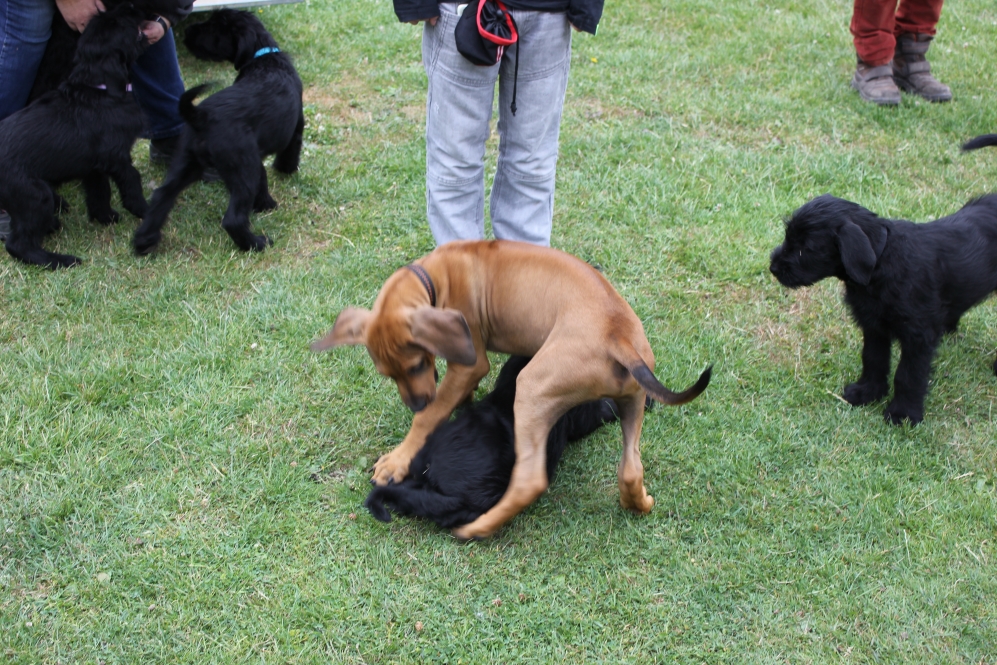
(910,384)
(872,384)
(31,215)
(183,173)
(263,200)
(240,168)
(630,474)
(287,160)
(98,199)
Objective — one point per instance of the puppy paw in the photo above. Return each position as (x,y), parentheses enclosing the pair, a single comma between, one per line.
(52,227)
(267,203)
(259,243)
(896,413)
(858,394)
(638,501)
(470,532)
(390,467)
(56,261)
(144,243)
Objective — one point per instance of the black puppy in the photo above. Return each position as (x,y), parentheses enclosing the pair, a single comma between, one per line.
(904,281)
(61,46)
(465,466)
(258,115)
(83,130)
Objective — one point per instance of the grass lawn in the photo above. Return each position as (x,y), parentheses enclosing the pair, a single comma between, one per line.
(181,480)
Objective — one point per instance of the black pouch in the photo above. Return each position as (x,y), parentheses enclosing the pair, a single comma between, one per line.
(483,32)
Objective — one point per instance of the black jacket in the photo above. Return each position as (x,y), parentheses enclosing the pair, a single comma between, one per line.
(583,14)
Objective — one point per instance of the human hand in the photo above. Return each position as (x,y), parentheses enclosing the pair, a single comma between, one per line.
(153,31)
(79,12)
(430,21)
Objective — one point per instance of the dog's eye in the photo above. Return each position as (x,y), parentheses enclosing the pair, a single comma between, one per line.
(418,369)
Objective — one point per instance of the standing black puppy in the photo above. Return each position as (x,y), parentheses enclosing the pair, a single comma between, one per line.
(258,115)
(84,129)
(903,281)
(465,466)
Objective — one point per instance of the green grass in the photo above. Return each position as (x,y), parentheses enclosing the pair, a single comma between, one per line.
(181,480)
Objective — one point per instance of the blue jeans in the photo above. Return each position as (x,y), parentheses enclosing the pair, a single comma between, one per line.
(25,28)
(458,112)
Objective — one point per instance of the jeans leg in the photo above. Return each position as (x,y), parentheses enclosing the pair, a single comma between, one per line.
(458,110)
(522,197)
(25,27)
(158,86)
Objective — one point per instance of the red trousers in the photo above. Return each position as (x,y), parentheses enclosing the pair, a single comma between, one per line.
(876,24)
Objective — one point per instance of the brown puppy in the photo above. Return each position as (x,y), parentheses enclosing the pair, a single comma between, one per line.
(471,296)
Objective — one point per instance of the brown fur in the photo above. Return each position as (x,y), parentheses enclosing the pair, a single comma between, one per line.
(520,299)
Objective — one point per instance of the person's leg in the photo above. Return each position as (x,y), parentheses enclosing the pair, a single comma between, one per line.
(25,27)
(522,197)
(458,110)
(157,84)
(918,17)
(872,33)
(872,28)
(914,30)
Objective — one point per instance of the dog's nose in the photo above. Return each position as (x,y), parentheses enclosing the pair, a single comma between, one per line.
(417,404)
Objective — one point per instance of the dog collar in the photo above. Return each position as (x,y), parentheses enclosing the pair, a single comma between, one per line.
(427,282)
(265,50)
(103,86)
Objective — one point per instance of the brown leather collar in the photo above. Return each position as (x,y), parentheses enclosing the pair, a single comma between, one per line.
(427,282)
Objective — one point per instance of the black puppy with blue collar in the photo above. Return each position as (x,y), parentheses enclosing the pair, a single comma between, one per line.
(258,115)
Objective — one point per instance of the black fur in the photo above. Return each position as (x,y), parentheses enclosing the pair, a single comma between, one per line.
(980,142)
(61,46)
(903,281)
(75,132)
(465,466)
(258,115)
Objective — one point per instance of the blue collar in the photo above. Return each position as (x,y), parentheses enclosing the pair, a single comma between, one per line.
(265,50)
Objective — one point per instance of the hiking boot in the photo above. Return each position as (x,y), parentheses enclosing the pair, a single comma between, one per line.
(912,72)
(876,84)
(4,225)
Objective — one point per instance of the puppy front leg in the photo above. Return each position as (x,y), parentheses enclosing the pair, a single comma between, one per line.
(129,184)
(458,383)
(98,198)
(872,384)
(910,384)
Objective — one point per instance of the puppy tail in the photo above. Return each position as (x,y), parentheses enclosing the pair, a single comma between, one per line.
(980,142)
(188,111)
(645,377)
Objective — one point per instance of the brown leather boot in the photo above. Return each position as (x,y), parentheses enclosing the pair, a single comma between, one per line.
(876,84)
(912,71)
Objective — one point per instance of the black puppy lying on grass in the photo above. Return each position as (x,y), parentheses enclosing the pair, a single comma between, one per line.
(465,466)
(85,130)
(904,281)
(258,115)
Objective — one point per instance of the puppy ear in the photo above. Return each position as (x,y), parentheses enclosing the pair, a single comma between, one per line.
(857,253)
(348,330)
(444,333)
